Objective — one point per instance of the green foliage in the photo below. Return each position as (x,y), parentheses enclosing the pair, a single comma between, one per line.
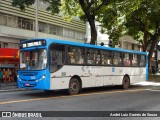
(137,18)
(86,10)
(133,18)
(70,9)
(22,3)
(54,6)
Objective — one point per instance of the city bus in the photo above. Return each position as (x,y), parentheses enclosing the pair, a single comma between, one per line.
(50,64)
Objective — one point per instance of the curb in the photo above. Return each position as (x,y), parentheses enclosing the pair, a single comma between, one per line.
(13,90)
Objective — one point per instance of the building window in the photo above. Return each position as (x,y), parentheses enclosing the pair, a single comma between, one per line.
(5,45)
(28,24)
(42,27)
(79,35)
(68,32)
(25,23)
(3,20)
(53,30)
(8,20)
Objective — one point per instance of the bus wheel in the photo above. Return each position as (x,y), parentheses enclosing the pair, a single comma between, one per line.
(74,86)
(126,82)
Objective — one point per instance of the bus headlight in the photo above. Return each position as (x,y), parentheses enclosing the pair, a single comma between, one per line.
(43,77)
(19,78)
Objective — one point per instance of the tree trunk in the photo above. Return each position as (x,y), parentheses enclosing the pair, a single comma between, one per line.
(145,41)
(93,33)
(151,50)
(86,7)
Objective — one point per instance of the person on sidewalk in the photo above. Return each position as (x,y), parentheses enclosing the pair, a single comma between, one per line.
(1,76)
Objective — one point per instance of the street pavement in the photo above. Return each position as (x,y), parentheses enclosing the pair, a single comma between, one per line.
(13,86)
(137,98)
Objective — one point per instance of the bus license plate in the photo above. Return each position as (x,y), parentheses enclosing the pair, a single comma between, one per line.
(27,84)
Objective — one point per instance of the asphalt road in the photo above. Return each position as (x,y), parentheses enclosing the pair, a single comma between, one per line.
(95,99)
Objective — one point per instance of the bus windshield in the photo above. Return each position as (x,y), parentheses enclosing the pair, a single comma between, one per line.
(33,59)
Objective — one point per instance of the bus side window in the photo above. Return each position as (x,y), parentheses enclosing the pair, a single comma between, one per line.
(98,57)
(142,60)
(71,58)
(135,60)
(75,55)
(106,58)
(117,58)
(126,59)
(57,57)
(80,54)
(91,56)
(120,61)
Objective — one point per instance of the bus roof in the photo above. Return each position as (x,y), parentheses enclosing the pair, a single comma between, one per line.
(49,41)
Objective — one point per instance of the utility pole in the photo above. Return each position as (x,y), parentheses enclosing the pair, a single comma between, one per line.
(36,19)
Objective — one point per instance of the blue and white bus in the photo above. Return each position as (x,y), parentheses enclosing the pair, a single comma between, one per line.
(49,64)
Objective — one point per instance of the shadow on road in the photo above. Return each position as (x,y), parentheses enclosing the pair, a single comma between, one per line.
(56,93)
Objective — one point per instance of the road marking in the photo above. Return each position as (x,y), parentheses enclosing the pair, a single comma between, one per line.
(153,90)
(79,95)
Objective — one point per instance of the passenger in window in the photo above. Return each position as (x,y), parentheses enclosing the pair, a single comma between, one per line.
(81,60)
(103,60)
(54,62)
(72,59)
(108,61)
(69,57)
(59,58)
(115,61)
(1,76)
(120,62)
(98,61)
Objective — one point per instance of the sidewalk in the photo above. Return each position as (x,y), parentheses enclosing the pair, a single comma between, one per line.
(5,87)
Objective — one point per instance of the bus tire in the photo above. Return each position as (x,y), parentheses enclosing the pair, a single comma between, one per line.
(74,86)
(126,82)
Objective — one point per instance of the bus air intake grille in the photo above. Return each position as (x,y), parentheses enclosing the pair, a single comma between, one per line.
(28,73)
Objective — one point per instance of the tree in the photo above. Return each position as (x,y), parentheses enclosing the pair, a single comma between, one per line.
(86,10)
(22,4)
(138,18)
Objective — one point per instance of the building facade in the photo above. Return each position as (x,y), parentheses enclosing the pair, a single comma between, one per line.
(127,42)
(16,24)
